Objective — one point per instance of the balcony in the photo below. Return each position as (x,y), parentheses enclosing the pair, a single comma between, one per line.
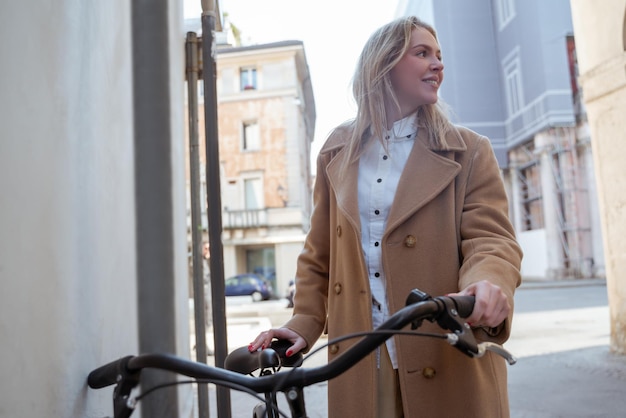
(244,218)
(261,218)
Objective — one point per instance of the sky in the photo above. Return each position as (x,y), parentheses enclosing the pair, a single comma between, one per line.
(333,33)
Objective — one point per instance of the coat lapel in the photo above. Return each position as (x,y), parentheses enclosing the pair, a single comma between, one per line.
(425,175)
(345,184)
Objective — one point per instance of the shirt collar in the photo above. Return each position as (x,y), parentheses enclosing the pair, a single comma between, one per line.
(403,129)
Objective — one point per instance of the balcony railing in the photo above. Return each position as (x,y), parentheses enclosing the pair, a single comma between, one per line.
(244,218)
(262,218)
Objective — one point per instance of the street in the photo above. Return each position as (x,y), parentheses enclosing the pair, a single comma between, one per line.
(560,337)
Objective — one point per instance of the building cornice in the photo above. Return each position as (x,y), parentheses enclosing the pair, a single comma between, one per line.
(604,79)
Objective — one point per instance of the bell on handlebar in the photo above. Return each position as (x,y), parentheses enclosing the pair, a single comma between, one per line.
(417,296)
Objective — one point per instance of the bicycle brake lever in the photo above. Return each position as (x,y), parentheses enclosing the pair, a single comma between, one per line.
(498,349)
(483,347)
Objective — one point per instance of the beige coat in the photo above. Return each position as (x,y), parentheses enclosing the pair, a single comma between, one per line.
(447,228)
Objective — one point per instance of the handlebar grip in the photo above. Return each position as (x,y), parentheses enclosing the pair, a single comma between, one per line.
(108,374)
(464,305)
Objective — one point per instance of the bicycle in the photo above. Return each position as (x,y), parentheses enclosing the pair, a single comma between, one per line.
(240,364)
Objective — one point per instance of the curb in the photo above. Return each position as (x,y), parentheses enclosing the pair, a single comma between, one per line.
(551,284)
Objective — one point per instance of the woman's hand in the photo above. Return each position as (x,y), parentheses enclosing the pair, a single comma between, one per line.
(264,339)
(491,306)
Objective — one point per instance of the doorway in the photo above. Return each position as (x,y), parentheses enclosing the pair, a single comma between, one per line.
(261,260)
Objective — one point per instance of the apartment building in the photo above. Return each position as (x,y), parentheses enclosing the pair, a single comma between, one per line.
(511,75)
(266,122)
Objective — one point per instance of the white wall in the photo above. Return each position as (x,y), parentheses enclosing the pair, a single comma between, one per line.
(67,216)
(535,246)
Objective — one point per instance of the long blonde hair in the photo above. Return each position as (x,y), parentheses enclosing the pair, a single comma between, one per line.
(372,89)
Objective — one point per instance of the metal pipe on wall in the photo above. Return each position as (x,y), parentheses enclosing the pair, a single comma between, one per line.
(191,54)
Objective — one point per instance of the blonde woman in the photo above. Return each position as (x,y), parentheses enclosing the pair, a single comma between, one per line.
(404,199)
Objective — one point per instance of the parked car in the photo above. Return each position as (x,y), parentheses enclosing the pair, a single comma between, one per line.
(248,284)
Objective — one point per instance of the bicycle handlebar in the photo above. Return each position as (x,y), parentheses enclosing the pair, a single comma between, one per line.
(108,374)
(445,310)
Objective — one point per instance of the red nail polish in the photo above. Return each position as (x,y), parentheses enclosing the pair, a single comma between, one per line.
(289,353)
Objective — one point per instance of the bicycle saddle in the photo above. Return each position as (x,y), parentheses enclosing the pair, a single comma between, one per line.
(243,361)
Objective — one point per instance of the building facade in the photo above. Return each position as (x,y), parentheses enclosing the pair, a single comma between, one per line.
(511,75)
(266,121)
(602,51)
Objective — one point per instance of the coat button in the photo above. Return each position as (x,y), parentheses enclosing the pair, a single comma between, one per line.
(338,288)
(339,231)
(410,241)
(334,349)
(429,372)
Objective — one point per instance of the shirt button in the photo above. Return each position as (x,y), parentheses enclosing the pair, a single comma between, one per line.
(379,181)
(385,157)
(376,244)
(334,349)
(377,274)
(410,241)
(429,372)
(377,212)
(339,231)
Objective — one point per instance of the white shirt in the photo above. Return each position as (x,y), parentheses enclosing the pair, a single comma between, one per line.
(379,173)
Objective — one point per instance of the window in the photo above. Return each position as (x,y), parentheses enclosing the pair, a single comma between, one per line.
(505,11)
(251,140)
(513,84)
(247,77)
(253,193)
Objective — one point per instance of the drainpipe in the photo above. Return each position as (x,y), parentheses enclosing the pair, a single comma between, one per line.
(191,47)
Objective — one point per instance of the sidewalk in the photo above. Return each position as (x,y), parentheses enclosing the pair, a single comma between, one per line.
(561,334)
(583,383)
